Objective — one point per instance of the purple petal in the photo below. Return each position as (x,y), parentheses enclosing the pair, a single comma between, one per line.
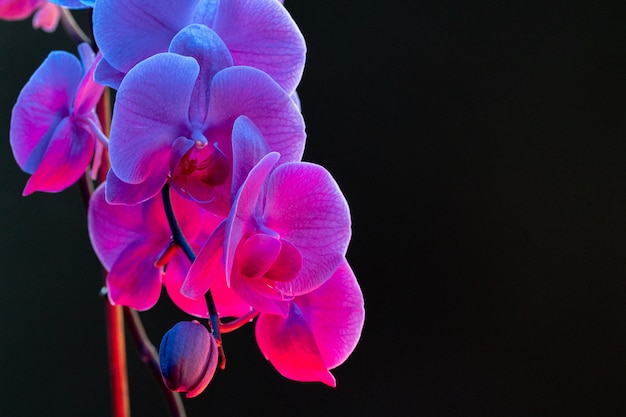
(237,91)
(45,100)
(151,109)
(128,31)
(65,159)
(120,192)
(201,43)
(207,267)
(249,147)
(306,207)
(257,254)
(134,281)
(108,75)
(112,227)
(173,279)
(262,34)
(89,91)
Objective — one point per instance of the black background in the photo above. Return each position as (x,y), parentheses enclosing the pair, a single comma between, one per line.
(482,148)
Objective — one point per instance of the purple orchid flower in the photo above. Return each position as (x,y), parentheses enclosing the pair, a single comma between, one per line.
(287,232)
(258,33)
(173,118)
(54,126)
(321,331)
(133,244)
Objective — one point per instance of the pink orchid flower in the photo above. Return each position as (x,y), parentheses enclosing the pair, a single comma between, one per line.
(321,331)
(54,125)
(287,232)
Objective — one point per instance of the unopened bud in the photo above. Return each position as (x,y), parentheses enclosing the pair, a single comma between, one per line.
(188,356)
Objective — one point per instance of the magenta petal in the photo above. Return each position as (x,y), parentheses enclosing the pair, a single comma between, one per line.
(151,111)
(45,100)
(89,91)
(128,31)
(18,9)
(335,314)
(207,267)
(249,147)
(65,159)
(173,279)
(242,220)
(201,43)
(306,207)
(134,281)
(112,227)
(290,346)
(120,192)
(287,265)
(247,91)
(262,34)
(257,254)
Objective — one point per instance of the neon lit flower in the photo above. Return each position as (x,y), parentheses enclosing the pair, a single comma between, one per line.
(258,33)
(54,126)
(46,15)
(173,118)
(286,234)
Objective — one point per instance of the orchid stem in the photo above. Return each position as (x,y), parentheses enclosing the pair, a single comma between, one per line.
(181,241)
(72,28)
(150,357)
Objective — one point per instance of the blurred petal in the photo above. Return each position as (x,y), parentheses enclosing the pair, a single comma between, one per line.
(18,9)
(306,207)
(262,34)
(237,91)
(43,102)
(151,109)
(47,17)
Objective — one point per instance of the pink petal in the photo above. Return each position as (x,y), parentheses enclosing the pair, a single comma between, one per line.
(207,267)
(65,159)
(120,192)
(249,147)
(47,17)
(306,207)
(43,102)
(134,281)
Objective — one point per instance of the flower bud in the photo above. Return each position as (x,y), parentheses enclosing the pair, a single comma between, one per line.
(188,356)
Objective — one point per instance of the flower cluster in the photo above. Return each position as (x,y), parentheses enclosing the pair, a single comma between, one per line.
(206,192)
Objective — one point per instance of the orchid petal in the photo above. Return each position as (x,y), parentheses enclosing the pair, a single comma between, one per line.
(306,207)
(200,42)
(89,91)
(108,75)
(111,227)
(134,281)
(65,159)
(120,192)
(290,346)
(47,17)
(43,102)
(18,9)
(151,108)
(270,39)
(249,147)
(143,27)
(237,91)
(257,254)
(207,266)
(173,279)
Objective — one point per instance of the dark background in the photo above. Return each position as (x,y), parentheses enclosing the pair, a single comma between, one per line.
(482,148)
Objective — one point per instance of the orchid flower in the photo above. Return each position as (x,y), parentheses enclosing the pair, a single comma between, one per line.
(173,119)
(322,329)
(258,33)
(287,232)
(54,126)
